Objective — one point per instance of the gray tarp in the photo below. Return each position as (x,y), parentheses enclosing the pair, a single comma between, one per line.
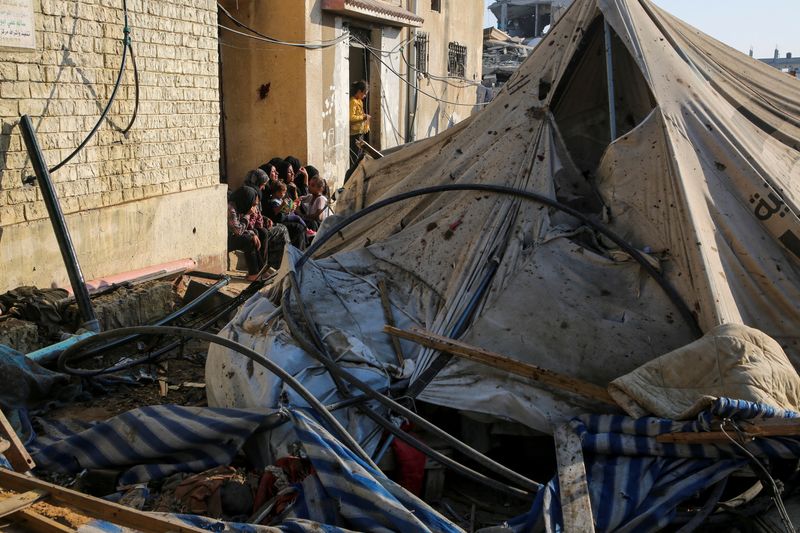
(705,178)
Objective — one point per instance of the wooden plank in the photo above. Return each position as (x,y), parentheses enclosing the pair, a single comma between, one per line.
(768,427)
(16,454)
(771,427)
(519,368)
(576,507)
(95,507)
(18,502)
(389,317)
(33,521)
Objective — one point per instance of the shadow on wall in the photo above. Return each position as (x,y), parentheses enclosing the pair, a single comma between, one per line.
(433,127)
(66,61)
(6,129)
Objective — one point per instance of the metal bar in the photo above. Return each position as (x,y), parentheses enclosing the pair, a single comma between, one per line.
(50,353)
(211,291)
(59,225)
(612,111)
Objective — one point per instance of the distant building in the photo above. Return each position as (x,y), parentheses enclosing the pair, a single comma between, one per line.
(502,56)
(788,64)
(527,18)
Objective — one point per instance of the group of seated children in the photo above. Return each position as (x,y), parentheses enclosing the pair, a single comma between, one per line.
(280,202)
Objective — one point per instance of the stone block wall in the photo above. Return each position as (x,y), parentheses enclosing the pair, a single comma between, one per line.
(66,81)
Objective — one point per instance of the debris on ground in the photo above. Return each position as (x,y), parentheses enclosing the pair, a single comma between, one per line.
(576,311)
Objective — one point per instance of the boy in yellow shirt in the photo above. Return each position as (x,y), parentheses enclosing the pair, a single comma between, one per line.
(359,121)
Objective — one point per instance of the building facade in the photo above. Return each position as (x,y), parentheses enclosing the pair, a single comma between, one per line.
(527,19)
(131,200)
(787,64)
(421,59)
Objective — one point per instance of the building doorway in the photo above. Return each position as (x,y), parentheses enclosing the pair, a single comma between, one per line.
(360,65)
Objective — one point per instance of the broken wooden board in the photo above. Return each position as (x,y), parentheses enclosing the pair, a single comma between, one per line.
(576,507)
(94,507)
(33,521)
(766,427)
(18,502)
(16,453)
(552,379)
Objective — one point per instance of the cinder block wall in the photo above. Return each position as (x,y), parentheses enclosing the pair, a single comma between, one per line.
(173,148)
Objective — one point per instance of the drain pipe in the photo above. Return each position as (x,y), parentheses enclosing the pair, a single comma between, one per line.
(90,321)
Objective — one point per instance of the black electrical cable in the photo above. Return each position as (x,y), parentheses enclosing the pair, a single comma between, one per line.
(305,45)
(126,47)
(136,90)
(343,375)
(312,349)
(272,367)
(215,314)
(666,286)
(175,315)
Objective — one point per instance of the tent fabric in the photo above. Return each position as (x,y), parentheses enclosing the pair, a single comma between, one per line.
(343,493)
(729,361)
(366,500)
(636,484)
(150,443)
(703,180)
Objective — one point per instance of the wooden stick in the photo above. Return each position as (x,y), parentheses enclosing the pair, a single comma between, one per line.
(33,521)
(95,507)
(768,427)
(18,502)
(519,368)
(389,317)
(576,507)
(16,454)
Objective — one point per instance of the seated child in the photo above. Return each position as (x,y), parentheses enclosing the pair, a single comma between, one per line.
(313,206)
(281,210)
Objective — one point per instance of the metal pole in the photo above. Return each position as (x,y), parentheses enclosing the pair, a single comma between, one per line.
(59,226)
(612,111)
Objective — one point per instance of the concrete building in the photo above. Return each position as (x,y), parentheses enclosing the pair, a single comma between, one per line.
(417,55)
(788,63)
(134,200)
(527,18)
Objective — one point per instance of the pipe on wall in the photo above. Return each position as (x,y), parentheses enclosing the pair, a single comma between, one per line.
(60,229)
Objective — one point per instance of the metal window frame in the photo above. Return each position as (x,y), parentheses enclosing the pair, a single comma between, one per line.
(456,60)
(422,51)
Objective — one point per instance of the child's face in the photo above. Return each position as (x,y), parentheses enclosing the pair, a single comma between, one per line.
(315,187)
(280,193)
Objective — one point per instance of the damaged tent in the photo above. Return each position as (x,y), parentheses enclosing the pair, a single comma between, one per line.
(694,162)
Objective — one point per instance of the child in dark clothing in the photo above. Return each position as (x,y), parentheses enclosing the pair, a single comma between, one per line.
(242,234)
(281,210)
(286,175)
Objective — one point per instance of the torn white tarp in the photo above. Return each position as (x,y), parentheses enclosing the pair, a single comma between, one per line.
(730,361)
(704,179)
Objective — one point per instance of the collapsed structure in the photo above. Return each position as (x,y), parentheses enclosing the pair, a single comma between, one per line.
(701,180)
(631,188)
(608,254)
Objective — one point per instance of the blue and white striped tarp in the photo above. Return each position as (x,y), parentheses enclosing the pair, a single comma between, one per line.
(636,483)
(151,442)
(363,498)
(216,526)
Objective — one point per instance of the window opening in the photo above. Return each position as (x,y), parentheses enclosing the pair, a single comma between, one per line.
(457,60)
